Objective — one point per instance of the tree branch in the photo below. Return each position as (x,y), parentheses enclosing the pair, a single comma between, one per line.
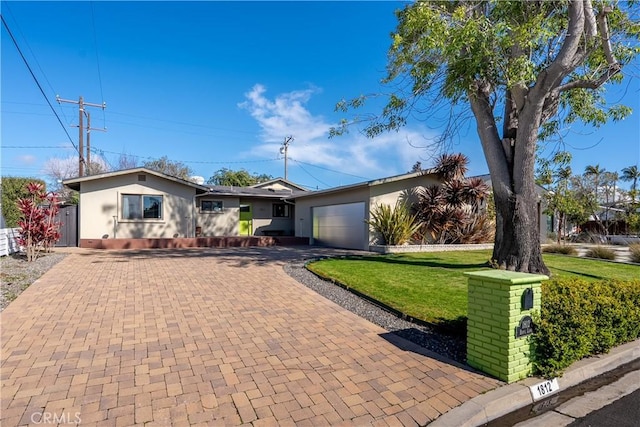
(494,153)
(603,26)
(590,21)
(611,71)
(564,63)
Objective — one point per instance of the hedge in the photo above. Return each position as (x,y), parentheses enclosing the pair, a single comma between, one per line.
(579,319)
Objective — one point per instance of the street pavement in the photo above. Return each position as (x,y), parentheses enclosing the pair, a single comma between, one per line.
(624,412)
(616,404)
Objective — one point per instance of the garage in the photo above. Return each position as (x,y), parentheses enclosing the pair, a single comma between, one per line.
(340,226)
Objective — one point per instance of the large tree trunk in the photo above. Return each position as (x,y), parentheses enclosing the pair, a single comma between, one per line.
(517,243)
(511,163)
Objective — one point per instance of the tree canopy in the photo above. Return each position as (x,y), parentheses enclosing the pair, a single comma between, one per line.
(523,68)
(239,178)
(170,167)
(13,189)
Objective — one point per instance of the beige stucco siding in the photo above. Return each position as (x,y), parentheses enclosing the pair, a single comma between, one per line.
(226,223)
(263,219)
(101,201)
(223,223)
(303,219)
(371,195)
(389,192)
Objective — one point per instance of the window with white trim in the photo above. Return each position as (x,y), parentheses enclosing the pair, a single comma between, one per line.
(140,206)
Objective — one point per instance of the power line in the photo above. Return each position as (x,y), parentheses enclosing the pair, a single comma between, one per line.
(36,146)
(81,114)
(331,170)
(218,162)
(15,43)
(102,152)
(309,173)
(148,118)
(33,55)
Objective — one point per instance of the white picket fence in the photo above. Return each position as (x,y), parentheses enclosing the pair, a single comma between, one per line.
(8,243)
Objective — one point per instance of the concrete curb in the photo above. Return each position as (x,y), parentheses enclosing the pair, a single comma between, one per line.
(504,400)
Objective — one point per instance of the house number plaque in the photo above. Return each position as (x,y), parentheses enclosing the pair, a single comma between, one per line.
(525,327)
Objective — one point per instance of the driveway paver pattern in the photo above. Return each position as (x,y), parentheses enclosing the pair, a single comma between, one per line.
(208,337)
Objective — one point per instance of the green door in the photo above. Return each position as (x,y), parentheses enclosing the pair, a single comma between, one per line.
(246,220)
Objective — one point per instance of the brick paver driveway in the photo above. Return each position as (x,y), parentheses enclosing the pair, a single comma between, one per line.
(210,337)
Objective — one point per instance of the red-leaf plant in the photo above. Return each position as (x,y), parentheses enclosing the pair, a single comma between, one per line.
(38,228)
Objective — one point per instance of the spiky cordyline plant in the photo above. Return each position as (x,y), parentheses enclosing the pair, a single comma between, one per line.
(450,213)
(395,225)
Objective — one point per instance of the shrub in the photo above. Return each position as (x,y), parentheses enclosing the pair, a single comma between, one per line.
(601,253)
(560,249)
(580,318)
(38,228)
(634,253)
(395,225)
(14,188)
(588,237)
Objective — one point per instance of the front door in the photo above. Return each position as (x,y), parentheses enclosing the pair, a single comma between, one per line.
(246,219)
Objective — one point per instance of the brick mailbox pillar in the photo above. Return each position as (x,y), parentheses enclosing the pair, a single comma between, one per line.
(499,321)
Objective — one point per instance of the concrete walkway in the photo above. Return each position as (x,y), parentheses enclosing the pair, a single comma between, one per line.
(209,337)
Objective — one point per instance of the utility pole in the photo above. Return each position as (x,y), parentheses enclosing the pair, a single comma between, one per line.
(81,113)
(283,150)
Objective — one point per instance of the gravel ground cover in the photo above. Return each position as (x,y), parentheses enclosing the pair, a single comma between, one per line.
(450,346)
(17,274)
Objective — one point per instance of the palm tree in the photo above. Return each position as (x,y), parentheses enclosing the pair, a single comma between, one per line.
(595,171)
(632,174)
(609,183)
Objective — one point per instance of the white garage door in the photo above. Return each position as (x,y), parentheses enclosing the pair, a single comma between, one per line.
(340,226)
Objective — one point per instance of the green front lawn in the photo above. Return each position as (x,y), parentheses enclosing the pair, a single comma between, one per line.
(432,287)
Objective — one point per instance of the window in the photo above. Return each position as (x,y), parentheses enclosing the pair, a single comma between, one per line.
(280,210)
(210,206)
(135,206)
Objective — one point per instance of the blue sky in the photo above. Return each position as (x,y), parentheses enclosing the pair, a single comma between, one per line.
(221,84)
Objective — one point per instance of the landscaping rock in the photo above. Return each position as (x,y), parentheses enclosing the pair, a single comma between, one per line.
(450,346)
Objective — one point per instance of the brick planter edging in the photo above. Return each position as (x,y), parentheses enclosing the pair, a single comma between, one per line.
(193,242)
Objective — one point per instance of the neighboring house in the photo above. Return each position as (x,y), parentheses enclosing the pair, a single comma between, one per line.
(144,204)
(279,184)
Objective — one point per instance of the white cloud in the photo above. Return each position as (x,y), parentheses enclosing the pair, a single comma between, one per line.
(197,179)
(26,159)
(286,114)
